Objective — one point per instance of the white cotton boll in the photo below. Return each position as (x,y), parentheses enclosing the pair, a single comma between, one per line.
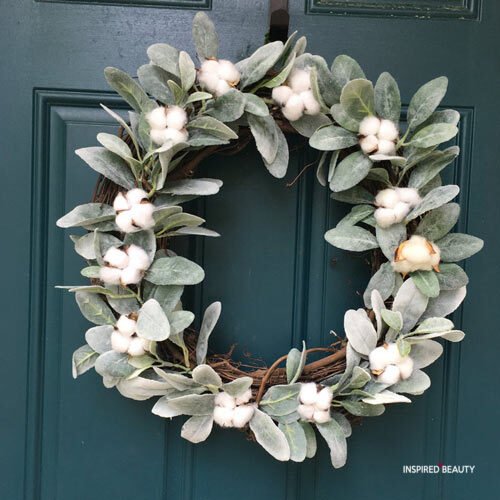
(136,195)
(308,393)
(138,257)
(393,354)
(208,80)
(159,136)
(176,136)
(131,275)
(311,105)
(306,412)
(378,358)
(416,250)
(116,257)
(386,147)
(228,71)
(225,400)
(369,144)
(299,80)
(176,118)
(142,215)
(389,376)
(210,66)
(120,203)
(281,94)
(136,347)
(222,87)
(119,342)
(126,326)
(294,108)
(387,198)
(409,195)
(110,275)
(388,130)
(369,125)
(384,217)
(244,398)
(125,222)
(242,415)
(157,118)
(321,416)
(405,367)
(223,416)
(401,210)
(403,267)
(324,399)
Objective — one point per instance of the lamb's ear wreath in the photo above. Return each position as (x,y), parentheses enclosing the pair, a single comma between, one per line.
(389,172)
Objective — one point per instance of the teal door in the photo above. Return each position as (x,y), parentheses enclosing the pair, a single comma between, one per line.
(75,440)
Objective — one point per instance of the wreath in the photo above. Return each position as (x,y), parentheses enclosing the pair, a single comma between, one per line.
(143,342)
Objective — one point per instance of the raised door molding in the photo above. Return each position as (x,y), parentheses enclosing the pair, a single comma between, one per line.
(178,4)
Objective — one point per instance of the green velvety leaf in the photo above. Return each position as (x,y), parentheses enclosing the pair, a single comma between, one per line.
(383,281)
(265,133)
(297,441)
(341,117)
(167,296)
(269,436)
(446,303)
(311,439)
(179,321)
(387,98)
(330,138)
(281,77)
(443,116)
(212,127)
(192,187)
(354,196)
(260,62)
(432,166)
(255,105)
(187,70)
(228,107)
(99,338)
(117,146)
(295,363)
(86,215)
(198,96)
(94,309)
(210,318)
(360,409)
(425,101)
(390,238)
(154,80)
(205,36)
(197,429)
(165,56)
(174,271)
(434,199)
(152,322)
(129,89)
(359,331)
(344,69)
(278,167)
(350,171)
(353,238)
(358,98)
(193,404)
(108,164)
(427,282)
(439,222)
(281,400)
(114,364)
(307,125)
(144,239)
(83,359)
(417,384)
(206,375)
(433,134)
(457,246)
(451,277)
(425,352)
(238,387)
(393,319)
(411,303)
(335,438)
(434,325)
(357,214)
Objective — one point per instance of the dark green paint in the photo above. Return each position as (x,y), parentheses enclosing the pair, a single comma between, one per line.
(278,281)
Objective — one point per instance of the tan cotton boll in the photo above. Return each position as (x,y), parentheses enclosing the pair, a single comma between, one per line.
(244,398)
(436,256)
(294,108)
(116,258)
(125,222)
(126,326)
(386,147)
(281,94)
(389,376)
(306,412)
(136,347)
(388,130)
(131,276)
(311,105)
(119,342)
(142,215)
(228,71)
(157,118)
(176,117)
(138,257)
(324,399)
(393,354)
(403,267)
(110,275)
(120,203)
(136,195)
(384,217)
(369,125)
(401,210)
(378,358)
(409,195)
(405,367)
(308,393)
(225,400)
(223,416)
(387,198)
(222,87)
(416,250)
(369,144)
(299,80)
(242,415)
(321,416)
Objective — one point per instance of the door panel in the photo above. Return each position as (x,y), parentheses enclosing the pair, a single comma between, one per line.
(277,279)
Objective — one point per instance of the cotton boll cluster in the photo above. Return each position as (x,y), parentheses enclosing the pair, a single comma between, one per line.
(133,211)
(168,125)
(314,406)
(378,136)
(394,205)
(124,267)
(218,77)
(296,97)
(416,254)
(125,340)
(390,367)
(233,412)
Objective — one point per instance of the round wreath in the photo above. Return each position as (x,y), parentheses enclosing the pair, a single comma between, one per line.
(142,343)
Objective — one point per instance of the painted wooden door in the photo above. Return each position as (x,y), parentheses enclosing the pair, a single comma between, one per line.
(278,281)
